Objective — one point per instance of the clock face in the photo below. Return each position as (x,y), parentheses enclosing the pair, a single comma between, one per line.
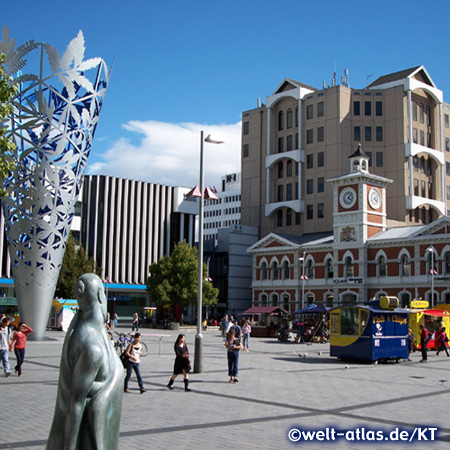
(374,198)
(347,198)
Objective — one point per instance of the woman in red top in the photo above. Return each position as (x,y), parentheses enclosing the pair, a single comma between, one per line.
(19,342)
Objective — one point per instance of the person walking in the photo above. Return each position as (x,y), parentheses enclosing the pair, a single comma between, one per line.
(182,363)
(246,331)
(5,342)
(135,324)
(19,342)
(233,346)
(224,326)
(424,338)
(442,342)
(133,352)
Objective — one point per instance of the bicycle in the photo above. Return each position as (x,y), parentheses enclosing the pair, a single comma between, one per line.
(124,340)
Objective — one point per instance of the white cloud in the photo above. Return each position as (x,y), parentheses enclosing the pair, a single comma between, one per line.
(170,153)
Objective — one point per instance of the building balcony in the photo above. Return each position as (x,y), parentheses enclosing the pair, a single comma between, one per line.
(415,149)
(296,205)
(414,201)
(295,155)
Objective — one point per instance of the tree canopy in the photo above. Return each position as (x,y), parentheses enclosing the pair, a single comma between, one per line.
(75,263)
(173,279)
(7,91)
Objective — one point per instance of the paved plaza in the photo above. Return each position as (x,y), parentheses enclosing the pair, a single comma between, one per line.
(277,391)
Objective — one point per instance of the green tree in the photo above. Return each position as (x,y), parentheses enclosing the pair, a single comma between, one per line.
(74,264)
(7,91)
(173,280)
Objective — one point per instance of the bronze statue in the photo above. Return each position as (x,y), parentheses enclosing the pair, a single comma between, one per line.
(89,401)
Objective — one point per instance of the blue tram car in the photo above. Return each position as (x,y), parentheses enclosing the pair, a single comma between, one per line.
(369,333)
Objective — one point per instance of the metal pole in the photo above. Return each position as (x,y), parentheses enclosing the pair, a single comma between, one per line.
(198,358)
(432,278)
(303,280)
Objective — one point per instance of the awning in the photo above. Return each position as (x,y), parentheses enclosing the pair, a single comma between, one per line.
(265,310)
(436,312)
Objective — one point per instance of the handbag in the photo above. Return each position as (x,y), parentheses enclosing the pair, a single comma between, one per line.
(125,359)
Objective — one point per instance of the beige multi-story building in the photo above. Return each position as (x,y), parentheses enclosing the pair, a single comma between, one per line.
(303,136)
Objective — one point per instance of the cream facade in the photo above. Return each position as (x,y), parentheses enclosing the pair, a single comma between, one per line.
(303,136)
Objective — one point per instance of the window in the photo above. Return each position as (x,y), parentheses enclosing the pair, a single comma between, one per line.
(447,168)
(405,266)
(378,108)
(381,266)
(379,159)
(280,145)
(309,212)
(309,161)
(320,109)
(447,144)
(379,134)
(298,218)
(446,121)
(369,154)
(280,193)
(286,271)
(280,169)
(415,136)
(289,217)
(368,134)
(246,150)
(416,163)
(329,268)
(320,159)
(264,271)
(289,192)
(368,108)
(280,120)
(422,164)
(309,269)
(289,143)
(320,210)
(348,267)
(421,113)
(320,134)
(296,116)
(246,127)
(423,188)
(274,270)
(447,263)
(289,168)
(309,186)
(289,118)
(414,108)
(422,137)
(356,108)
(416,186)
(320,184)
(309,112)
(309,136)
(296,140)
(357,133)
(279,218)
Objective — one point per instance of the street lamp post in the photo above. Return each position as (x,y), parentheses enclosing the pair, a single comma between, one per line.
(302,277)
(432,273)
(198,358)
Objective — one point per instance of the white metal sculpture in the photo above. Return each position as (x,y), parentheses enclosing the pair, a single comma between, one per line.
(55,115)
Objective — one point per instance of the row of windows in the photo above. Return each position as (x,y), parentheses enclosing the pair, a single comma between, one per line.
(404,262)
(421,215)
(310,160)
(368,137)
(288,123)
(225,212)
(287,217)
(228,199)
(290,195)
(320,109)
(320,185)
(310,135)
(289,165)
(421,133)
(425,166)
(289,143)
(422,192)
(368,106)
(418,107)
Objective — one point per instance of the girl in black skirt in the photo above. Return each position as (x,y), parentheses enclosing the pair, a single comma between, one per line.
(182,363)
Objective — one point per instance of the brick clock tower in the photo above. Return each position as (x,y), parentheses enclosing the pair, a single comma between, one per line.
(359,212)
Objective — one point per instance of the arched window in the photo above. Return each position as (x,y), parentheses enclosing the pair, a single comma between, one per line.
(286,271)
(414,108)
(280,120)
(447,263)
(421,113)
(348,267)
(274,299)
(381,266)
(329,268)
(263,299)
(289,118)
(309,272)
(274,270)
(284,301)
(263,270)
(280,169)
(404,299)
(405,266)
(289,168)
(431,262)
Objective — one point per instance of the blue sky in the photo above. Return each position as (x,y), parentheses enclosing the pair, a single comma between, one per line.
(181,66)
